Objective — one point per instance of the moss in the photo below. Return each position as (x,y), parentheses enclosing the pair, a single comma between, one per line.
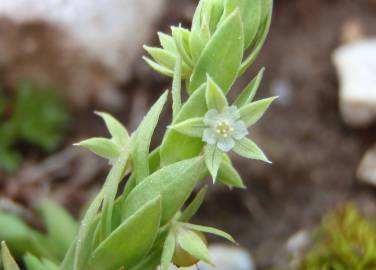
(346,240)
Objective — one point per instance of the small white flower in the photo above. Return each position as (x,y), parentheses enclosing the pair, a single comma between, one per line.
(224,128)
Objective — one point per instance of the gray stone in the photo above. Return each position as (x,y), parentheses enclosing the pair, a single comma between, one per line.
(367,169)
(85,47)
(356,68)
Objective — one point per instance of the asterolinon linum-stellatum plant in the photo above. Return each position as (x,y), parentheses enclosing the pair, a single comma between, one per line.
(147,225)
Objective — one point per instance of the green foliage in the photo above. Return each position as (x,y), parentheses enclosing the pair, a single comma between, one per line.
(147,225)
(37,116)
(345,241)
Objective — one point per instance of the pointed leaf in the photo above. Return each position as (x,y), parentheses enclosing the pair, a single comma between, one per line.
(61,227)
(248,149)
(193,207)
(144,133)
(174,183)
(193,244)
(252,112)
(8,262)
(167,42)
(176,88)
(131,241)
(168,251)
(189,147)
(222,55)
(211,231)
(193,127)
(33,263)
(228,175)
(117,130)
(250,90)
(213,158)
(159,68)
(215,99)
(181,37)
(102,147)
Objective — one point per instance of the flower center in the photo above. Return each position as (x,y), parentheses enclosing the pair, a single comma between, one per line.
(224,129)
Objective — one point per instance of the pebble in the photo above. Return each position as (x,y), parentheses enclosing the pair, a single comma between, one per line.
(366,172)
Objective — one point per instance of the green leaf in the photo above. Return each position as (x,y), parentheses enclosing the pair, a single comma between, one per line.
(117,130)
(168,251)
(228,175)
(252,112)
(110,189)
(176,88)
(193,207)
(249,91)
(8,262)
(267,12)
(131,241)
(159,68)
(150,262)
(174,183)
(61,226)
(167,42)
(215,99)
(210,230)
(102,147)
(181,37)
(213,158)
(144,133)
(189,147)
(33,263)
(161,56)
(222,55)
(248,149)
(193,127)
(193,244)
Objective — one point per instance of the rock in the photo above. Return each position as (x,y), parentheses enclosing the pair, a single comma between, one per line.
(83,47)
(296,246)
(367,169)
(225,258)
(356,68)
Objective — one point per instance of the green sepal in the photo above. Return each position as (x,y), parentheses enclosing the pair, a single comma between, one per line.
(252,112)
(248,149)
(168,250)
(118,132)
(249,92)
(210,230)
(193,127)
(228,175)
(215,98)
(193,244)
(213,158)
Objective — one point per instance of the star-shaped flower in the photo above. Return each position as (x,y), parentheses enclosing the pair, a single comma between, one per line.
(224,127)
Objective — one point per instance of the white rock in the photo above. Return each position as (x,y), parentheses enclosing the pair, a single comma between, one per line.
(356,68)
(225,258)
(367,168)
(77,44)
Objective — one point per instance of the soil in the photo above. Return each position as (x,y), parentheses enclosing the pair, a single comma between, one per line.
(314,154)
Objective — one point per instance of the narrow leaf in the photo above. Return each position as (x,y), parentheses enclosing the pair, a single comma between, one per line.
(8,262)
(193,207)
(131,241)
(168,251)
(228,175)
(252,112)
(215,98)
(213,158)
(211,231)
(222,55)
(250,90)
(167,42)
(117,130)
(193,127)
(102,147)
(159,68)
(194,245)
(248,149)
(181,37)
(176,88)
(143,137)
(174,183)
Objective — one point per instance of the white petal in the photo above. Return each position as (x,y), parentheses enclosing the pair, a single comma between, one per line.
(240,130)
(232,112)
(210,136)
(211,117)
(226,144)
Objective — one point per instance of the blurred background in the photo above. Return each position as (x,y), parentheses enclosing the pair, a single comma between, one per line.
(320,59)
